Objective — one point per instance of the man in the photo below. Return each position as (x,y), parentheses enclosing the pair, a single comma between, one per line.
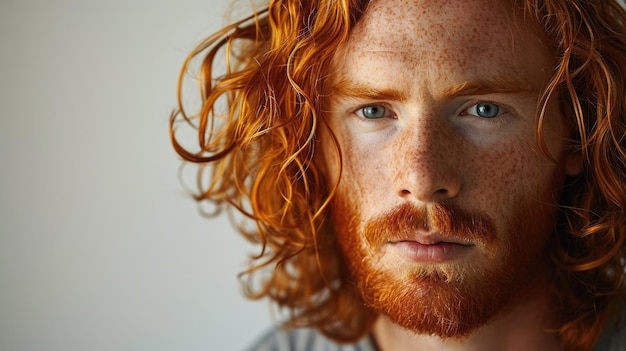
(427,175)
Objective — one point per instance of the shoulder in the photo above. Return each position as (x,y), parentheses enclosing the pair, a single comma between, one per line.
(303,339)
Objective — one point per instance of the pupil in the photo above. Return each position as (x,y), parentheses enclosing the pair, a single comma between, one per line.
(487,110)
(373,112)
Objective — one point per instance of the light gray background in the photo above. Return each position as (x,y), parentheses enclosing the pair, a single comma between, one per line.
(99,247)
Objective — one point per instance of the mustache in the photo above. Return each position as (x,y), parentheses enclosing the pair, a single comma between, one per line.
(449,221)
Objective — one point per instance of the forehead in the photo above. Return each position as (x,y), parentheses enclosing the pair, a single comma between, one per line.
(442,19)
(458,37)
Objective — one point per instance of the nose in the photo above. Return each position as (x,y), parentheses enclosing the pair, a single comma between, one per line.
(428,162)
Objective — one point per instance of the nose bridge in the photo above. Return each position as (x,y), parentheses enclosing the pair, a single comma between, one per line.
(426,168)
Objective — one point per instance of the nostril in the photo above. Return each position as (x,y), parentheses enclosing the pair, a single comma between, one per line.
(442,192)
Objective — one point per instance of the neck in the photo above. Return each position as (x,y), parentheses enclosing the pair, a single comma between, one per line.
(523,327)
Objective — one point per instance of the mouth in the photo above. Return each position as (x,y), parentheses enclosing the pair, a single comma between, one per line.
(430,248)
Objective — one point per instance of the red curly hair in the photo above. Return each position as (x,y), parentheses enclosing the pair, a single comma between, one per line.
(260,150)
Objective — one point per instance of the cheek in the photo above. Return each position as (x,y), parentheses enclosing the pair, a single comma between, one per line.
(361,191)
(359,175)
(500,167)
(509,174)
(359,172)
(366,171)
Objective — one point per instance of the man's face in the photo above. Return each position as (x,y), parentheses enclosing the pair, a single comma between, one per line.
(445,205)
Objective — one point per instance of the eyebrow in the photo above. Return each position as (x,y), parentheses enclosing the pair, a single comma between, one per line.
(499,85)
(348,88)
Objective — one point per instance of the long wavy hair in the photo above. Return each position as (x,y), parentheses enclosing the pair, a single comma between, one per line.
(256,137)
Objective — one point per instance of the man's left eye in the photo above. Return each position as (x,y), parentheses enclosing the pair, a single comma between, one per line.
(484,110)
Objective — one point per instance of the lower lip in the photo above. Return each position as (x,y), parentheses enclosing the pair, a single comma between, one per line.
(433,253)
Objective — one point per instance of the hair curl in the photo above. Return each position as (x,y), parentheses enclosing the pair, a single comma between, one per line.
(260,151)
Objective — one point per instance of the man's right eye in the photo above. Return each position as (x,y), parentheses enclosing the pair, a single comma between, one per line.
(373,112)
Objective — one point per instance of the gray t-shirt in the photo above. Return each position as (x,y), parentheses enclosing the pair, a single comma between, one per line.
(613,339)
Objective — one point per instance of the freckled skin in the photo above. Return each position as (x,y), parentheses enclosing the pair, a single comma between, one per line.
(429,150)
(423,145)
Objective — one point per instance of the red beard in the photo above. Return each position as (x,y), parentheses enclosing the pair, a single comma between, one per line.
(450,299)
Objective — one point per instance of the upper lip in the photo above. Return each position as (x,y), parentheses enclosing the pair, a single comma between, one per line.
(432,238)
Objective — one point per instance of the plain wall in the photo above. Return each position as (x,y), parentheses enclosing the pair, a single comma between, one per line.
(100,249)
